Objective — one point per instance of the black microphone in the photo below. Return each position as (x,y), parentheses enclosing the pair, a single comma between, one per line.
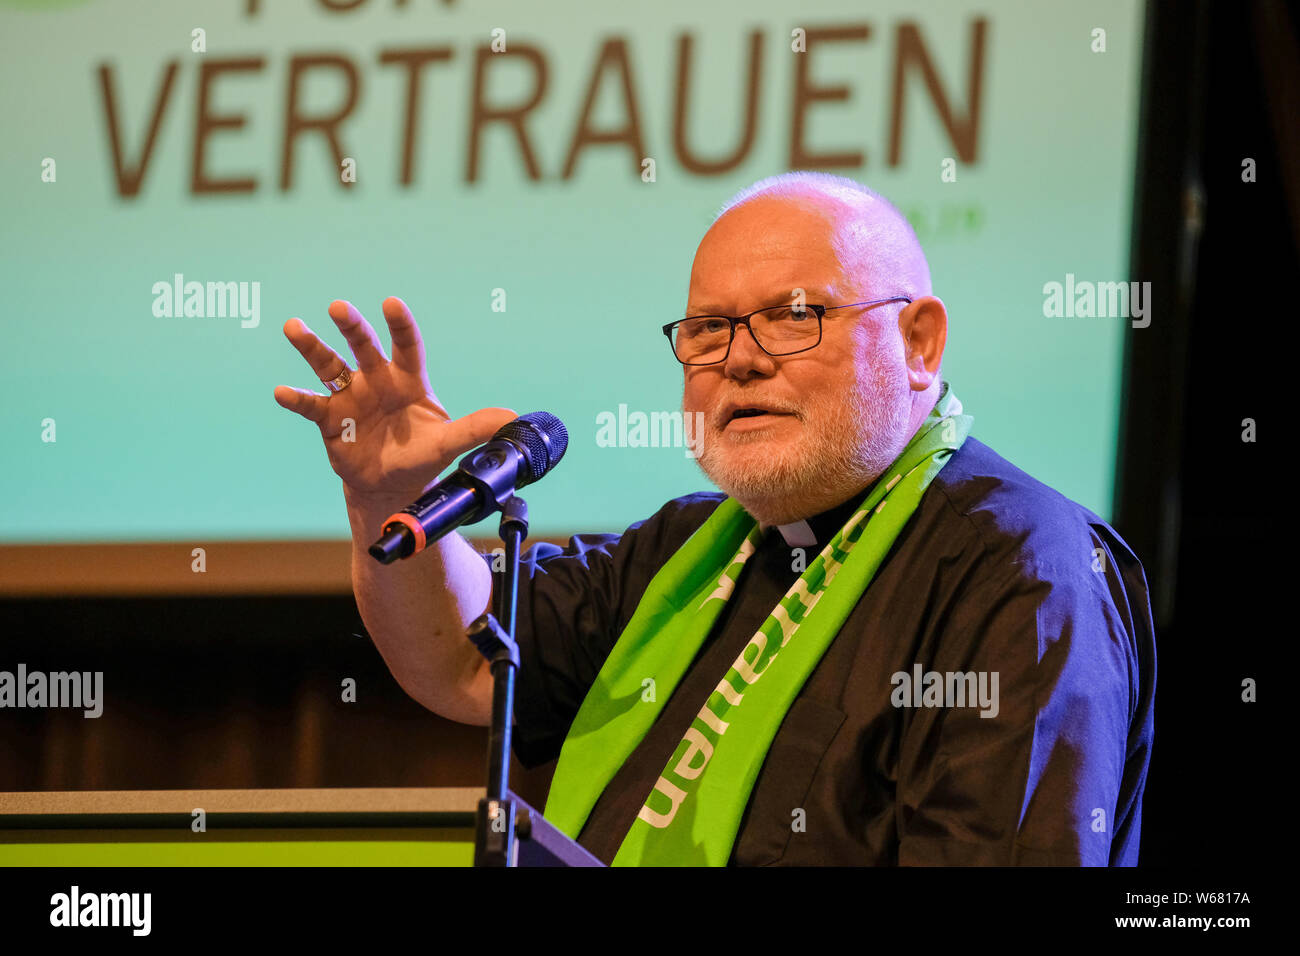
(518,454)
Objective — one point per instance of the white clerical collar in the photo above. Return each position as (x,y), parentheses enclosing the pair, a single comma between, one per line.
(798,535)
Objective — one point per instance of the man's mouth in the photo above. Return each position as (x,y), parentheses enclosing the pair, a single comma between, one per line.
(752,415)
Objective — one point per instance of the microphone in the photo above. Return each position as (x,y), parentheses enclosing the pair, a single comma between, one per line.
(517,455)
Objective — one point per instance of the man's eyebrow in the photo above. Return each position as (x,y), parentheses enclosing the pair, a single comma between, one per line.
(818,295)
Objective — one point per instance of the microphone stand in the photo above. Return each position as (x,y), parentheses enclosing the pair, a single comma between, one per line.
(495,841)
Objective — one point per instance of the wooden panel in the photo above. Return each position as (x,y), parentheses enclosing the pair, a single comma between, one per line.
(148,569)
(291,800)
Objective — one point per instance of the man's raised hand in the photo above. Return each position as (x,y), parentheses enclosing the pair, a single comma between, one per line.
(401,436)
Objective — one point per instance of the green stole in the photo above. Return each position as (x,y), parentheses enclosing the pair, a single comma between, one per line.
(692,814)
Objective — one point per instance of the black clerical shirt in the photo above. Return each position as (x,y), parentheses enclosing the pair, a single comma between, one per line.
(994,574)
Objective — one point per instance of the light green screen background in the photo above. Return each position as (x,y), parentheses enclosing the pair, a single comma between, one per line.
(166,428)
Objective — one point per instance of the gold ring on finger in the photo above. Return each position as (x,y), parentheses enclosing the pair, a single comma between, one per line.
(342,381)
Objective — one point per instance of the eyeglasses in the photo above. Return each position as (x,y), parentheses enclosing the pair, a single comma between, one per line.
(778,330)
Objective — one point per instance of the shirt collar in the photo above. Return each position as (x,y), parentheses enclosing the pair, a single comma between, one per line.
(818,530)
(798,535)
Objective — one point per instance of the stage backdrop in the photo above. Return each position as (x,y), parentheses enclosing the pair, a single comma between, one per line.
(533,179)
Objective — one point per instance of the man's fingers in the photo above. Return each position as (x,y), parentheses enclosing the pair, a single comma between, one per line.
(324,361)
(477,427)
(408,346)
(361,337)
(310,405)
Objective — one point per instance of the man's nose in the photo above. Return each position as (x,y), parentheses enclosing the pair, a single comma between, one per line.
(747,359)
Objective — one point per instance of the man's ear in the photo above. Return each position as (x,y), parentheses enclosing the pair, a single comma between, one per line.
(924,327)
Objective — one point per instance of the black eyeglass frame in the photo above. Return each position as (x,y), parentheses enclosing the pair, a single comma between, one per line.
(734,320)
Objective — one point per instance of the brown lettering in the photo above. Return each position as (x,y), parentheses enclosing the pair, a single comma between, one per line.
(205,122)
(691,162)
(805,94)
(295,125)
(612,53)
(129,180)
(414,60)
(481,114)
(909,49)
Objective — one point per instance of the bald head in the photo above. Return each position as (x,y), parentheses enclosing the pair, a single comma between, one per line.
(875,245)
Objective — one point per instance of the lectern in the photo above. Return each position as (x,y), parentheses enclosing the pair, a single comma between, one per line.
(405,826)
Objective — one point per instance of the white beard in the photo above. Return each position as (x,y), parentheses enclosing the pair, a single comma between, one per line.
(846,443)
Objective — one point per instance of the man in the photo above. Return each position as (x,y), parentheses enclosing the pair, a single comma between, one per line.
(884,644)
